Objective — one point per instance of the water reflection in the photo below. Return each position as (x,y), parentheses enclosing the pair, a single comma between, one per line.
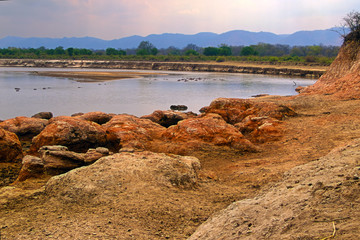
(138,96)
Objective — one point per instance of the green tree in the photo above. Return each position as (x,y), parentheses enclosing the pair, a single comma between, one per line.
(70,51)
(59,51)
(146,48)
(211,51)
(192,52)
(111,51)
(225,50)
(248,51)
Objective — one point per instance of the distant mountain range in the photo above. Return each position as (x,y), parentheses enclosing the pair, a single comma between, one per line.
(204,39)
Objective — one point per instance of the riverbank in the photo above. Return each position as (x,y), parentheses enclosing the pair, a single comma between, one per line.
(228,67)
(226,176)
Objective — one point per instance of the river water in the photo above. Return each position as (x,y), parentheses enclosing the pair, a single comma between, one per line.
(24,94)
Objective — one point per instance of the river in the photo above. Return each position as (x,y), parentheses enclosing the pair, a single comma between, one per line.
(24,94)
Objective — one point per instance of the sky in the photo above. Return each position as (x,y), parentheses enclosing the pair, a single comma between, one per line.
(113,19)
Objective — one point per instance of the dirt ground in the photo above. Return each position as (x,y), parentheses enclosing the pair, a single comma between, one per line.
(226,176)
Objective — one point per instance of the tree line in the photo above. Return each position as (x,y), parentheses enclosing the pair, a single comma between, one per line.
(147,51)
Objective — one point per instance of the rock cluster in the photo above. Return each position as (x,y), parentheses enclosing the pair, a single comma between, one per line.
(258,121)
(56,160)
(62,143)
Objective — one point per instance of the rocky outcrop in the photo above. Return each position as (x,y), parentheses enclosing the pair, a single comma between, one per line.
(56,160)
(10,147)
(257,121)
(316,196)
(208,130)
(124,174)
(342,80)
(24,127)
(127,131)
(168,118)
(76,134)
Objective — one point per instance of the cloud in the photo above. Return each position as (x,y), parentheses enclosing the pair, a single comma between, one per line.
(109,19)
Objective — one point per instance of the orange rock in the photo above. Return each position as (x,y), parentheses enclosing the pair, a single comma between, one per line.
(10,147)
(24,126)
(76,134)
(132,132)
(235,110)
(260,129)
(208,130)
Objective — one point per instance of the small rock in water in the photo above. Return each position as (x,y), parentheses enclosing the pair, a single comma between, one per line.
(17,89)
(179,107)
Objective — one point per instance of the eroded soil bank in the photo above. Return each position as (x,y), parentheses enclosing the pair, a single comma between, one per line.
(291,70)
(322,124)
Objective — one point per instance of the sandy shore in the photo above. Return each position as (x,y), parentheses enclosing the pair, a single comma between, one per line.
(85,76)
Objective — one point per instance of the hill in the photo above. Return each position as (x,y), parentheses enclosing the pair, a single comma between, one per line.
(165,40)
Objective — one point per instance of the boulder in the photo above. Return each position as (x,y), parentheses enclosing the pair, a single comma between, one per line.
(10,147)
(260,129)
(24,127)
(235,110)
(208,130)
(97,117)
(58,159)
(43,115)
(127,131)
(123,175)
(76,134)
(32,167)
(168,118)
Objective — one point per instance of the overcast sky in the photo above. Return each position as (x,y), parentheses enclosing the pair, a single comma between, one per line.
(112,19)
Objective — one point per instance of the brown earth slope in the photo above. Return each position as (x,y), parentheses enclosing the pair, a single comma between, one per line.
(28,210)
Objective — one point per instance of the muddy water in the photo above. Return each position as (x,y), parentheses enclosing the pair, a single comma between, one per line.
(24,94)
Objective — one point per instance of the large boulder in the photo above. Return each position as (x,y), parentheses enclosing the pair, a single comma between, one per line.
(128,131)
(24,127)
(124,174)
(168,118)
(313,201)
(235,110)
(10,147)
(76,134)
(206,131)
